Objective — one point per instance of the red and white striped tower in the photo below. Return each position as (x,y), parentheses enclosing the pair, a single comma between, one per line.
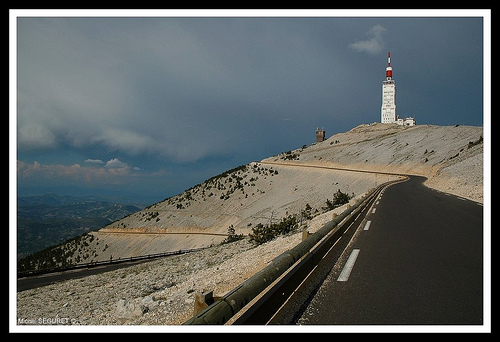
(388,111)
(388,70)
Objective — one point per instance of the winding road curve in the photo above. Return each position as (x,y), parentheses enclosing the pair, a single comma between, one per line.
(416,259)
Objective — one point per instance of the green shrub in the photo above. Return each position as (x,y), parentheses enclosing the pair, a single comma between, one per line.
(264,233)
(232,236)
(339,199)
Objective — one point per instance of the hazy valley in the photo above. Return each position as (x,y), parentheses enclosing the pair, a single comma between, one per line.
(50,219)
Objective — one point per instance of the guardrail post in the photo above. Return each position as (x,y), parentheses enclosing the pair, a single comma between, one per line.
(202,300)
(305,234)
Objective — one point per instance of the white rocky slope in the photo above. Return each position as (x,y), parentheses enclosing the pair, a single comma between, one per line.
(451,157)
(161,292)
(266,194)
(263,192)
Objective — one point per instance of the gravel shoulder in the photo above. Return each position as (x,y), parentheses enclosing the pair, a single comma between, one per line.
(159,292)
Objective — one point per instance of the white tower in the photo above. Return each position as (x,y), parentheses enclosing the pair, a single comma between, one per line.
(388,111)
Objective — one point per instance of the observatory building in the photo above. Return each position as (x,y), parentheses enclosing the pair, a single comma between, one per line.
(320,134)
(388,110)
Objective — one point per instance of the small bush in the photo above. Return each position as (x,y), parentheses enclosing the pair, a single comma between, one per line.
(264,233)
(339,199)
(232,236)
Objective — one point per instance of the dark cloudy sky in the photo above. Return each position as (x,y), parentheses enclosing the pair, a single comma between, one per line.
(146,107)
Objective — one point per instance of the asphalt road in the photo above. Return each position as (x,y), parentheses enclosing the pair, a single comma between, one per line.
(419,261)
(28,283)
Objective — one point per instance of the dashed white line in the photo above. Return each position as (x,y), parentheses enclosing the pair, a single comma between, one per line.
(346,271)
(373,211)
(367,225)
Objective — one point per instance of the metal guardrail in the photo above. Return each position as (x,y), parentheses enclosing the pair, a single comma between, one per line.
(103,263)
(230,304)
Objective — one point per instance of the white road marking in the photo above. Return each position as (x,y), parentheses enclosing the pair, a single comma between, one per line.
(367,225)
(346,271)
(373,211)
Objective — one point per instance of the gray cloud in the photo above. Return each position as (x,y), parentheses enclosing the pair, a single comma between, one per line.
(116,163)
(192,97)
(373,45)
(179,89)
(94,161)
(33,136)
